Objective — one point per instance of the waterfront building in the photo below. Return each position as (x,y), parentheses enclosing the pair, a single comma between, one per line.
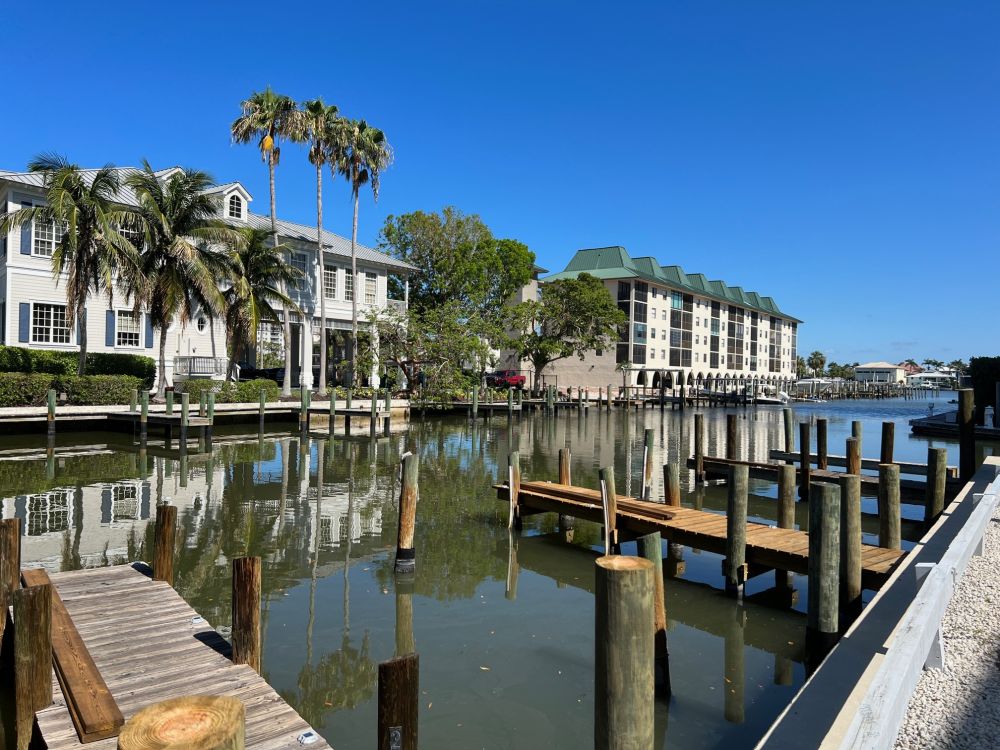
(879,372)
(682,328)
(33,303)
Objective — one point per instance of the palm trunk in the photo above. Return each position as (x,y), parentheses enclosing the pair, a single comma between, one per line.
(286,382)
(322,279)
(161,385)
(354,291)
(81,324)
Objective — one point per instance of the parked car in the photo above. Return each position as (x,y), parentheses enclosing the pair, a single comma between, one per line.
(506,379)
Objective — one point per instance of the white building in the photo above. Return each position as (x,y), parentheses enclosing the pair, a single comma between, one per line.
(879,372)
(33,304)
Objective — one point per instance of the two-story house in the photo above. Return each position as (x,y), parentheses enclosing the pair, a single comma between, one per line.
(33,302)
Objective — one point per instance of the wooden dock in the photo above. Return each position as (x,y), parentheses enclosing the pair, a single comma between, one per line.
(870,464)
(767,547)
(912,492)
(149,645)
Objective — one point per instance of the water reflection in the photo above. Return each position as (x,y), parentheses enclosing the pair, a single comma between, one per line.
(503,622)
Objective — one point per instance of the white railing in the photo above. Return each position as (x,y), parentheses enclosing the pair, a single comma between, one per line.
(200,367)
(396,304)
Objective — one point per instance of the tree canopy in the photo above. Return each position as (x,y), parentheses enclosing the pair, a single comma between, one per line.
(570,318)
(458,260)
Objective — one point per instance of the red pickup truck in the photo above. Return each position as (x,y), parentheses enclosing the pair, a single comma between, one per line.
(505,379)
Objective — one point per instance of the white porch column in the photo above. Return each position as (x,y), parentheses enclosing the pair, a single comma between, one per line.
(306,346)
(376,380)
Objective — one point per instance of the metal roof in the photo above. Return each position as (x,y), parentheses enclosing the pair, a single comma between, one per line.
(615,263)
(332,243)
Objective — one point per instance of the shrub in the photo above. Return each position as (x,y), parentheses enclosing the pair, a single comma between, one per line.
(112,363)
(24,389)
(228,392)
(88,390)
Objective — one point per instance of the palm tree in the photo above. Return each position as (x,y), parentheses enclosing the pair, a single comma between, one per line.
(361,153)
(320,122)
(268,117)
(186,250)
(259,274)
(91,250)
(816,361)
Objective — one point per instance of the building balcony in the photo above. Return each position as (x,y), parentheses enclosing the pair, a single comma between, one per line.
(200,367)
(396,304)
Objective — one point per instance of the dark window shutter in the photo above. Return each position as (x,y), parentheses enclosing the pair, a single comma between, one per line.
(26,234)
(149,331)
(106,505)
(144,506)
(24,322)
(109,328)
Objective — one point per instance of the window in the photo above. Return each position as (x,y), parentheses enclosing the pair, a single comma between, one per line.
(48,324)
(652,353)
(652,333)
(127,328)
(676,300)
(201,324)
(663,315)
(46,236)
(348,285)
(235,207)
(299,264)
(370,282)
(330,281)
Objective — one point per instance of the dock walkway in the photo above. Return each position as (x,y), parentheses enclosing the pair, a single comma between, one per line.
(767,547)
(150,645)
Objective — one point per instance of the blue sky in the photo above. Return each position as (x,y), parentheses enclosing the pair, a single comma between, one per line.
(841,157)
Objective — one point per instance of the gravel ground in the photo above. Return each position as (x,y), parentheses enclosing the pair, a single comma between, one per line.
(959,706)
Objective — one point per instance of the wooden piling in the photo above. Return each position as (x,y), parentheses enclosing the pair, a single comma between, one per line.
(51,402)
(609,396)
(624,682)
(672,484)
(164,536)
(699,447)
(821,452)
(805,461)
(609,499)
(650,548)
(856,431)
(937,472)
(262,409)
(647,463)
(195,722)
(514,482)
(786,515)
(888,439)
(333,410)
(398,696)
(350,393)
(246,612)
(966,435)
(565,458)
(789,430)
(822,618)
(10,566)
(169,407)
(185,416)
(133,399)
(144,417)
(406,557)
(853,454)
(732,438)
(210,413)
(850,548)
(735,564)
(202,403)
(888,507)
(32,657)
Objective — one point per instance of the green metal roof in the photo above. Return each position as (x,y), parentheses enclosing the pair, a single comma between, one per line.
(615,263)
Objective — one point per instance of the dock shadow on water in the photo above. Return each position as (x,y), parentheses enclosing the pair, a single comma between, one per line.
(503,623)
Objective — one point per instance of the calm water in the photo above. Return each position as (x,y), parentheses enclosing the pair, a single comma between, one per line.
(503,624)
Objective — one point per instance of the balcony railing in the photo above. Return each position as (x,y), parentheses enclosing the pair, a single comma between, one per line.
(396,304)
(200,367)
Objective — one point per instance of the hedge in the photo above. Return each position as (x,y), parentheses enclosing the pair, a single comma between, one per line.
(24,389)
(88,390)
(228,392)
(22,359)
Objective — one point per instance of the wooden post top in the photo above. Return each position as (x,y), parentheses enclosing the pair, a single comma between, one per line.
(623,563)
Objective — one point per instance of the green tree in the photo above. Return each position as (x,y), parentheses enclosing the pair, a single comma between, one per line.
(933,364)
(321,125)
(259,275)
(89,246)
(186,250)
(457,259)
(958,366)
(800,367)
(361,154)
(266,118)
(911,362)
(816,361)
(572,317)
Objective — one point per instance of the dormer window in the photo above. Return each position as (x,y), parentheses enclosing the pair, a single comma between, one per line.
(235,207)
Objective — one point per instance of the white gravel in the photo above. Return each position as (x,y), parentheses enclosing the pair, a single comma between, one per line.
(959,706)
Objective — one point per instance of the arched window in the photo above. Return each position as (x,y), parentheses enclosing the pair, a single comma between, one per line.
(235,207)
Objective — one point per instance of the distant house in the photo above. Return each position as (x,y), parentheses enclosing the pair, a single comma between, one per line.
(911,369)
(933,379)
(879,372)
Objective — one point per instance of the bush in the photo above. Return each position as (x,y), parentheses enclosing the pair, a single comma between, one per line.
(89,390)
(24,389)
(112,363)
(228,392)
